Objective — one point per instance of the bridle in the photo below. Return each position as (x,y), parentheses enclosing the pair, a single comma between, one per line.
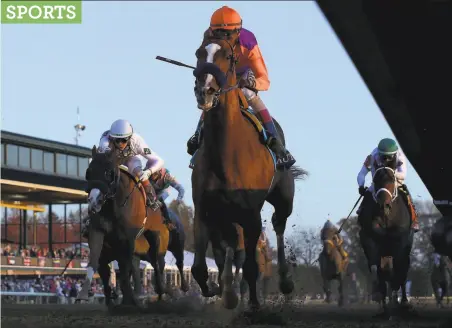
(233,60)
(377,192)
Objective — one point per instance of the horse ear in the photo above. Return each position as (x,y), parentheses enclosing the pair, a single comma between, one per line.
(94,151)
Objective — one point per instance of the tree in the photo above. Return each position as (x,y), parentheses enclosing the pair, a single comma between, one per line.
(305,245)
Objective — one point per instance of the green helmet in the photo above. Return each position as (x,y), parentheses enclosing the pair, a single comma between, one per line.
(387,146)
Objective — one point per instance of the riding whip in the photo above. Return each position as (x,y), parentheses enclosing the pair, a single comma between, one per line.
(342,225)
(70,260)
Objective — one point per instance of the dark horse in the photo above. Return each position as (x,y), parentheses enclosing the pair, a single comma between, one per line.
(440,278)
(117,200)
(386,236)
(233,175)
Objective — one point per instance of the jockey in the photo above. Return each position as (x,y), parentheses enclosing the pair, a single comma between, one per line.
(226,23)
(161,181)
(127,145)
(331,232)
(387,151)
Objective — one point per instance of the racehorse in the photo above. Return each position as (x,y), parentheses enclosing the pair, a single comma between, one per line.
(332,266)
(386,236)
(440,278)
(176,246)
(116,197)
(234,174)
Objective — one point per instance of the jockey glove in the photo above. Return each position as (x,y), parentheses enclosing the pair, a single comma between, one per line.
(248,80)
(362,190)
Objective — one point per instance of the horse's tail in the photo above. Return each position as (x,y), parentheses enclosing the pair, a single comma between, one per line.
(298,173)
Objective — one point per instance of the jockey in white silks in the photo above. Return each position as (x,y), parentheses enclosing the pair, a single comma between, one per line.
(128,145)
(387,151)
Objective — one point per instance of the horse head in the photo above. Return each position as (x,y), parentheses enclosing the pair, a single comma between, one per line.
(103,177)
(385,187)
(214,69)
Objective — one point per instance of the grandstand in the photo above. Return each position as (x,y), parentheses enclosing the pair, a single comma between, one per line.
(43,201)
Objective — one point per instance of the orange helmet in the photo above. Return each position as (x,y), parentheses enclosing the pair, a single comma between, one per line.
(225,18)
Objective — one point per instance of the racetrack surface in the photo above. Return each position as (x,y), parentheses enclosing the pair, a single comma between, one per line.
(190,312)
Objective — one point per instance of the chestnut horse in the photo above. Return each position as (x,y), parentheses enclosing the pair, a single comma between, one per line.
(116,197)
(233,175)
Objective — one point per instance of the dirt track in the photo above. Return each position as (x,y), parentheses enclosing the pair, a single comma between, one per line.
(188,313)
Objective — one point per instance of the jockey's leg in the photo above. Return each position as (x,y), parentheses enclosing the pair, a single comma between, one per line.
(151,199)
(409,202)
(193,142)
(166,217)
(341,249)
(284,157)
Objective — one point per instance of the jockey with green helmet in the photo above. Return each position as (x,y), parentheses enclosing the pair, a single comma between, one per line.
(387,151)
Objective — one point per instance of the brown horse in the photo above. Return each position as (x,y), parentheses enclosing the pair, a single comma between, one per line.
(332,265)
(117,199)
(234,174)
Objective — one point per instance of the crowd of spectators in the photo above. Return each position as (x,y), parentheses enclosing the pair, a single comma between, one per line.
(36,251)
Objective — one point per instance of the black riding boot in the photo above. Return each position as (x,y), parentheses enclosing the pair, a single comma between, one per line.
(166,217)
(284,158)
(151,199)
(85,229)
(193,142)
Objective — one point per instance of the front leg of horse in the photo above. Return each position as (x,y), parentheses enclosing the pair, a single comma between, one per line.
(104,273)
(327,290)
(199,267)
(95,242)
(153,238)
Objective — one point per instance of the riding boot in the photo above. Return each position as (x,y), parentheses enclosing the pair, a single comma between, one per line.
(166,217)
(85,228)
(412,209)
(284,158)
(151,199)
(193,142)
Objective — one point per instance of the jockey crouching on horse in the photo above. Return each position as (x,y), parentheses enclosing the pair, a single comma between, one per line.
(226,24)
(386,152)
(161,181)
(127,146)
(330,233)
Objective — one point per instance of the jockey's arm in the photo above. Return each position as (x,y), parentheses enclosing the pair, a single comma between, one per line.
(400,172)
(180,189)
(154,161)
(259,69)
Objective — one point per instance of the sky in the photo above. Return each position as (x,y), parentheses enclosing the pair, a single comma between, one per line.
(107,67)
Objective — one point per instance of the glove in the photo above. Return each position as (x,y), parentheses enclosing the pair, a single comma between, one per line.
(248,80)
(145,175)
(362,190)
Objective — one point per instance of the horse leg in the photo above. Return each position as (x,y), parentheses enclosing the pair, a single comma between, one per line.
(341,289)
(327,290)
(251,233)
(179,255)
(104,273)
(239,259)
(219,254)
(199,267)
(136,275)
(281,198)
(95,242)
(228,295)
(153,238)
(125,269)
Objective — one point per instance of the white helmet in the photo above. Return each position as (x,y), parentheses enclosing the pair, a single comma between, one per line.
(121,129)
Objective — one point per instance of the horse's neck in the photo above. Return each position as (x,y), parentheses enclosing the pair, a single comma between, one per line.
(222,127)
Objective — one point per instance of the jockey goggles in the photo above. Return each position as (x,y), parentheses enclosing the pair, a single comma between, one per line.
(224,34)
(387,158)
(121,140)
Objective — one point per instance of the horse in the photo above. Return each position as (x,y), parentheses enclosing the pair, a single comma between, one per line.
(229,184)
(333,266)
(118,200)
(441,236)
(386,236)
(176,246)
(440,278)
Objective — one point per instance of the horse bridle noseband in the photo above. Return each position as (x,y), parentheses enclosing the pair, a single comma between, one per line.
(375,193)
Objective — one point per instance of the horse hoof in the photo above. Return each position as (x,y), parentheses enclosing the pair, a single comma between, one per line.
(230,299)
(286,286)
(184,288)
